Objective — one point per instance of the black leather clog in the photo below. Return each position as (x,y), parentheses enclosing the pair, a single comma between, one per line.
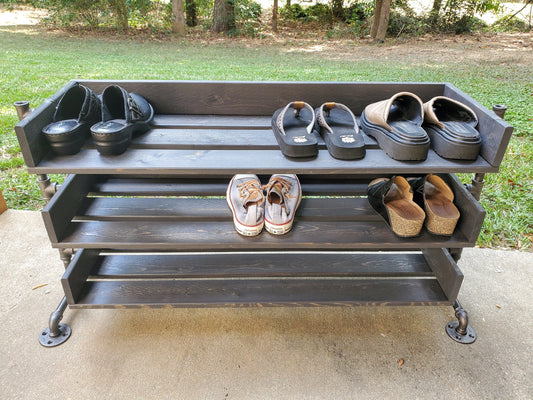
(123,115)
(76,112)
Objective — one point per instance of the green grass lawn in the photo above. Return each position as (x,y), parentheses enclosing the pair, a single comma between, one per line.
(34,64)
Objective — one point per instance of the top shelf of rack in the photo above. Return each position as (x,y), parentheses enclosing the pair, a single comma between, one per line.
(222,128)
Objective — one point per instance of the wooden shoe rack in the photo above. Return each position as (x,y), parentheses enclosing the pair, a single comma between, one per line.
(151,228)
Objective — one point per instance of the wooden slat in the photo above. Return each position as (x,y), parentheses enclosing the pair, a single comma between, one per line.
(212,236)
(261,292)
(495,132)
(216,139)
(60,210)
(75,276)
(239,265)
(160,187)
(262,98)
(229,139)
(199,209)
(446,271)
(194,121)
(311,186)
(220,162)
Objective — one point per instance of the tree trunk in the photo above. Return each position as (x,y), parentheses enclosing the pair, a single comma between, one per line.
(383,21)
(336,8)
(275,16)
(190,11)
(178,19)
(375,22)
(119,6)
(435,10)
(223,16)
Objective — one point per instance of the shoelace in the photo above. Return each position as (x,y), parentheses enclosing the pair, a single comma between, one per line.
(284,183)
(250,188)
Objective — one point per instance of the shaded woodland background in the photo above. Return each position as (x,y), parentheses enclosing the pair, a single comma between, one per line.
(377,19)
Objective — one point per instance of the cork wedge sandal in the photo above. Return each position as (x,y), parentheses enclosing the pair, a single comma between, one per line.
(294,130)
(436,197)
(393,200)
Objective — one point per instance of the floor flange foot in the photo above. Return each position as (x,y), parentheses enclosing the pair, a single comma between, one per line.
(460,330)
(51,341)
(469,337)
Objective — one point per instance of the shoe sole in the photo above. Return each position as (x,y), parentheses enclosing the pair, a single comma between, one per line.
(455,150)
(343,153)
(67,148)
(293,150)
(282,229)
(117,142)
(394,149)
(242,229)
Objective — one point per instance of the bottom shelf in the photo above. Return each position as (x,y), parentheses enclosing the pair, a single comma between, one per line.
(99,280)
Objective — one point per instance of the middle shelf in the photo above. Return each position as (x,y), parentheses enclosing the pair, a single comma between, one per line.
(145,215)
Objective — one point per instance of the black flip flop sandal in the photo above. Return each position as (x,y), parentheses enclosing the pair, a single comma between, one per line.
(338,127)
(294,130)
(451,126)
(123,115)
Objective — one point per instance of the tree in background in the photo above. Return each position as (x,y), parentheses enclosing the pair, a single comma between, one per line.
(121,10)
(381,20)
(354,17)
(337,8)
(223,16)
(190,12)
(178,19)
(275,16)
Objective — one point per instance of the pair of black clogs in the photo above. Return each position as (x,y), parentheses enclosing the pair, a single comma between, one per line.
(111,119)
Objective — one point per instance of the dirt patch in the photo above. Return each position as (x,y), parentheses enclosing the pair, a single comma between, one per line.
(20,15)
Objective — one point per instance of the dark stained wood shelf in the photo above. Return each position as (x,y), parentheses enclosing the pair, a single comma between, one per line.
(228,162)
(248,280)
(199,125)
(212,236)
(261,293)
(215,147)
(140,216)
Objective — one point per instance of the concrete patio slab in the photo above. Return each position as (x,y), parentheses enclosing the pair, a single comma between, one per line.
(262,353)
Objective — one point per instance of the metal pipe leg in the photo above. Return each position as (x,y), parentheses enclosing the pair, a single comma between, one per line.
(66,256)
(23,109)
(459,330)
(476,186)
(56,333)
(456,253)
(48,188)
